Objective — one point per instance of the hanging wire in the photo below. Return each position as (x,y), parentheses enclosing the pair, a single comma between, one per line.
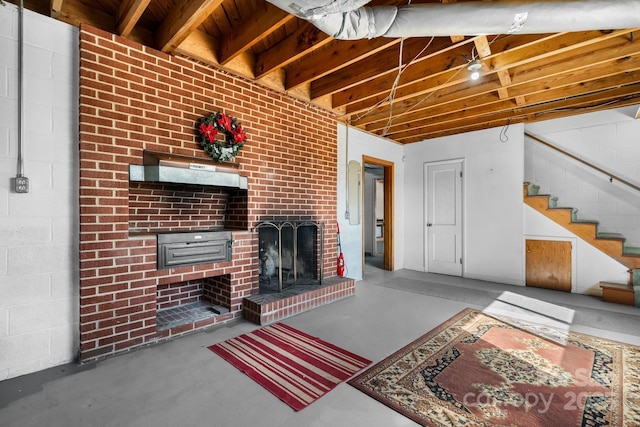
(503,133)
(396,82)
(401,69)
(394,85)
(391,96)
(392,93)
(430,94)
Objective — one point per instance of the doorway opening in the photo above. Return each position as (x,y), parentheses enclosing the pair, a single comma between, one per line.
(377,225)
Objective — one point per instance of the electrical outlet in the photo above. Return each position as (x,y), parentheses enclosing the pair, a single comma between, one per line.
(22,184)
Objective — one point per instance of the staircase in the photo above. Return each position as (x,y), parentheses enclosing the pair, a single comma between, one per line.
(611,244)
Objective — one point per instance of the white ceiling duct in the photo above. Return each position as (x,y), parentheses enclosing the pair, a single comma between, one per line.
(351,20)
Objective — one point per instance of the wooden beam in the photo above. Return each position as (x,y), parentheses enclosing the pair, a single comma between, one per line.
(546,113)
(201,46)
(554,46)
(372,92)
(484,51)
(77,13)
(333,56)
(505,81)
(260,24)
(304,41)
(181,21)
(504,77)
(482,46)
(463,101)
(568,97)
(443,115)
(602,47)
(56,8)
(534,88)
(129,13)
(384,64)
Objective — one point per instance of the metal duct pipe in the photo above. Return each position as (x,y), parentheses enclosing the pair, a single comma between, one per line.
(350,20)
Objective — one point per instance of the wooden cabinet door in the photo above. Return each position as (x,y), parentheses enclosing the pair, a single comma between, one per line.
(548,264)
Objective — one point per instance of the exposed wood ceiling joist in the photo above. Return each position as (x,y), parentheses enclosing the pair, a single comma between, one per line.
(407,89)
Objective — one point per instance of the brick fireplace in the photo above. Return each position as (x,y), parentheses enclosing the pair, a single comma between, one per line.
(135,100)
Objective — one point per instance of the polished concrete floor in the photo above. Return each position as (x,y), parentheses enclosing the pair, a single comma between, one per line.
(182,383)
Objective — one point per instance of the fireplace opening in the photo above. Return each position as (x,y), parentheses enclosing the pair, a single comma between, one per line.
(290,253)
(191,301)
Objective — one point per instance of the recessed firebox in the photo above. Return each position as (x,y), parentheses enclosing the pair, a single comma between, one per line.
(290,253)
(187,302)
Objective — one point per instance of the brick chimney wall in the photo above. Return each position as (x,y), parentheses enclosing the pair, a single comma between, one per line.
(133,98)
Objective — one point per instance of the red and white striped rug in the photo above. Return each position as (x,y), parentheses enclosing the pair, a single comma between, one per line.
(296,367)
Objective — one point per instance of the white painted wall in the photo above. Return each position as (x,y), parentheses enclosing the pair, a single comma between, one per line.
(492,201)
(39,230)
(497,223)
(360,144)
(608,139)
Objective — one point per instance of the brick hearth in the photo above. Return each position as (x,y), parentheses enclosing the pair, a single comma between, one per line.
(264,309)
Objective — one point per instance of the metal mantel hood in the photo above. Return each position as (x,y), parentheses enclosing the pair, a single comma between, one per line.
(176,169)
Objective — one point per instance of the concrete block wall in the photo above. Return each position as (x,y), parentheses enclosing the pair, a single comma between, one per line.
(38,230)
(607,139)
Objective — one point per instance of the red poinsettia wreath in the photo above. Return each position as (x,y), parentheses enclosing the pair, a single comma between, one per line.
(221,136)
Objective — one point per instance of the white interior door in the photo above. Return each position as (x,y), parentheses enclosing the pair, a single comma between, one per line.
(444,218)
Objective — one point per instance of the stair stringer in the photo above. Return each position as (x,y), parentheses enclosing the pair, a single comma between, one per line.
(586,230)
(590,266)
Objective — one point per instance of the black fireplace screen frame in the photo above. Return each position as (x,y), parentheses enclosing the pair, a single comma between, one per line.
(279,226)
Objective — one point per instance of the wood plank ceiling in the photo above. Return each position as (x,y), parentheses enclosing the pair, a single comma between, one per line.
(525,78)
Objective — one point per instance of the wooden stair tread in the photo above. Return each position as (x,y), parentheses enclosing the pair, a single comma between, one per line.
(617,293)
(586,221)
(610,236)
(622,287)
(631,251)
(610,243)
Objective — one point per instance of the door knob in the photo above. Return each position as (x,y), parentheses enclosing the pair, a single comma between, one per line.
(428,224)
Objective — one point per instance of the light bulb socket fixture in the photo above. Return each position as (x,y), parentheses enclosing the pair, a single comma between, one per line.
(474,68)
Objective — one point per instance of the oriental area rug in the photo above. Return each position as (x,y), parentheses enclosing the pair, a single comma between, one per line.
(296,367)
(475,370)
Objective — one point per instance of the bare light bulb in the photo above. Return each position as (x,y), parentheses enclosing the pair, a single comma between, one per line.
(474,67)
